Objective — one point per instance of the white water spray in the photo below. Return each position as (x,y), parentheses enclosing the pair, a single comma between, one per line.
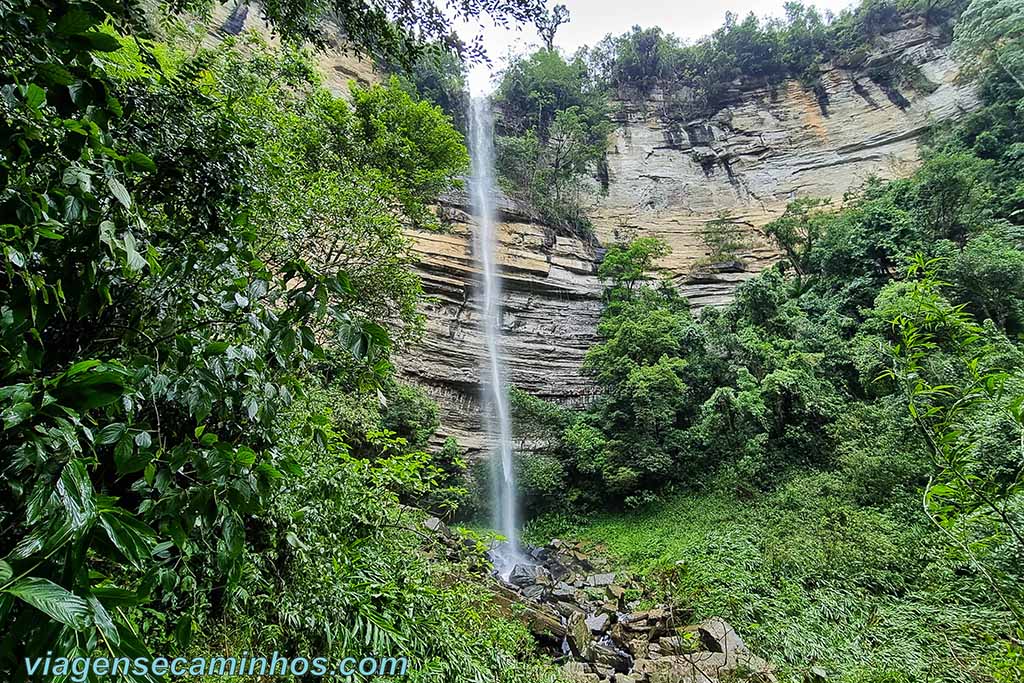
(499,424)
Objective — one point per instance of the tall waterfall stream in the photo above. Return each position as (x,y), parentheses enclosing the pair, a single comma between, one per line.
(496,403)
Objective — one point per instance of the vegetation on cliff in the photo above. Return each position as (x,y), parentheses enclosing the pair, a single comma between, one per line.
(833,461)
(554,109)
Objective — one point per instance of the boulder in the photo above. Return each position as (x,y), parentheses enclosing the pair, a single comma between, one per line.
(568,609)
(576,668)
(535,592)
(718,636)
(541,620)
(578,636)
(678,645)
(714,665)
(437,526)
(563,591)
(600,580)
(704,667)
(616,594)
(675,669)
(523,575)
(612,657)
(598,623)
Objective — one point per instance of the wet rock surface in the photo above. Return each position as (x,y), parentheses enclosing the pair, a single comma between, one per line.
(589,617)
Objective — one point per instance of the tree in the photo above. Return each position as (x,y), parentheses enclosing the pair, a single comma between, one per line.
(798,230)
(548,23)
(966,494)
(992,31)
(554,127)
(397,30)
(724,237)
(159,316)
(626,266)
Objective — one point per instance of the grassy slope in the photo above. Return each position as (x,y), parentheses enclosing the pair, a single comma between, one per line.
(810,578)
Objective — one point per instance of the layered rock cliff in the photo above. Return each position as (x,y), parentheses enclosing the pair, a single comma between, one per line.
(552,301)
(668,178)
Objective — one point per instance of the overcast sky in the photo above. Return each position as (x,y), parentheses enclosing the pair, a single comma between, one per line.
(591,20)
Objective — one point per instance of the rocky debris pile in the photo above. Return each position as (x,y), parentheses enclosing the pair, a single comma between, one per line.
(590,617)
(603,626)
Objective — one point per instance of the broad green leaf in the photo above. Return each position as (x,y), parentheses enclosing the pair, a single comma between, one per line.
(216,348)
(34,96)
(102,42)
(6,572)
(81,367)
(55,74)
(91,385)
(245,456)
(74,491)
(57,531)
(110,434)
(103,621)
(55,601)
(141,161)
(130,537)
(117,597)
(183,631)
(75,21)
(120,192)
(17,414)
(136,261)
(143,440)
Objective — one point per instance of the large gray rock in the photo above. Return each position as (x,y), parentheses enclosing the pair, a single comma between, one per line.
(600,580)
(524,575)
(598,623)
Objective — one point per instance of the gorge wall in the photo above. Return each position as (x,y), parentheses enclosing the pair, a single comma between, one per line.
(667,179)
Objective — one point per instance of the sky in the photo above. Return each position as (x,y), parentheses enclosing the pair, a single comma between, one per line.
(591,20)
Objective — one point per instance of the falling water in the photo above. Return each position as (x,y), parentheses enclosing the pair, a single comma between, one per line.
(499,420)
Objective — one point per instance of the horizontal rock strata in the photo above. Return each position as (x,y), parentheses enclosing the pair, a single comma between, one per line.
(668,178)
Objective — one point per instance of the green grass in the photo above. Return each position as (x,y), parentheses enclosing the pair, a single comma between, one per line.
(809,578)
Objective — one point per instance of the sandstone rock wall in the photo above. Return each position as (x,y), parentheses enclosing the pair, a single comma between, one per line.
(772,145)
(668,178)
(552,300)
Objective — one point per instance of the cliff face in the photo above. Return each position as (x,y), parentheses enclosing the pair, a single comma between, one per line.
(551,304)
(668,178)
(768,148)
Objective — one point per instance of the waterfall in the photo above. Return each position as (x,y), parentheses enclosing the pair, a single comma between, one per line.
(496,404)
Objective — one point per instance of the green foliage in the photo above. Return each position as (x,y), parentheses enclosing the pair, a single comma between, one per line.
(553,127)
(700,76)
(625,266)
(991,32)
(409,140)
(723,238)
(972,494)
(344,569)
(439,77)
(790,405)
(192,238)
(393,32)
(810,579)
